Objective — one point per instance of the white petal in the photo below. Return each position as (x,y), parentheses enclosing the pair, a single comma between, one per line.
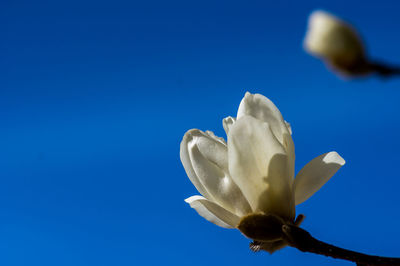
(259,166)
(204,157)
(227,123)
(289,127)
(260,107)
(187,164)
(212,135)
(289,147)
(315,174)
(213,212)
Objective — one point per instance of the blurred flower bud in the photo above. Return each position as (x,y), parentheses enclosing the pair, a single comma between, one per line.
(337,43)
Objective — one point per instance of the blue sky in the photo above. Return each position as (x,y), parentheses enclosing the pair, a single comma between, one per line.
(95,97)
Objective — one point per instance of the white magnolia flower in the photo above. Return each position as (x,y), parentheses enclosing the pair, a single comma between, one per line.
(254,171)
(336,42)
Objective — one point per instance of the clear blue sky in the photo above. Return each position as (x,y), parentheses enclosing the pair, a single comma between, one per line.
(95,97)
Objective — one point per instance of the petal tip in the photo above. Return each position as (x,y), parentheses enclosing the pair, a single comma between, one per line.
(319,13)
(334,157)
(228,119)
(191,132)
(188,135)
(191,199)
(228,122)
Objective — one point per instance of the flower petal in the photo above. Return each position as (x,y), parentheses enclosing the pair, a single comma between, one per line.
(289,127)
(315,174)
(212,135)
(260,107)
(258,164)
(227,122)
(213,212)
(187,164)
(204,157)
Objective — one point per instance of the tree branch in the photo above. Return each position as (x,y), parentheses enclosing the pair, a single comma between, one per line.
(302,240)
(271,233)
(384,70)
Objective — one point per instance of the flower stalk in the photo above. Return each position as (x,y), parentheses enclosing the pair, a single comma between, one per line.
(303,241)
(263,229)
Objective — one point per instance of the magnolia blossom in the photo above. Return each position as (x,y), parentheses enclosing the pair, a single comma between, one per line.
(337,43)
(253,172)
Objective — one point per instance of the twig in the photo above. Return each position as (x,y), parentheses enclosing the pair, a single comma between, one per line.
(384,70)
(271,233)
(302,240)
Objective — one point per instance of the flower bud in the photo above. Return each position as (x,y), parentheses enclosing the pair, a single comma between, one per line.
(337,43)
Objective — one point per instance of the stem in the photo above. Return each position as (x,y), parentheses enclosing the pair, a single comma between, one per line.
(385,70)
(302,240)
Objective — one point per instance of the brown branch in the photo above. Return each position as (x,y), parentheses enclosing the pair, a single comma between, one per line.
(302,240)
(271,233)
(384,70)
